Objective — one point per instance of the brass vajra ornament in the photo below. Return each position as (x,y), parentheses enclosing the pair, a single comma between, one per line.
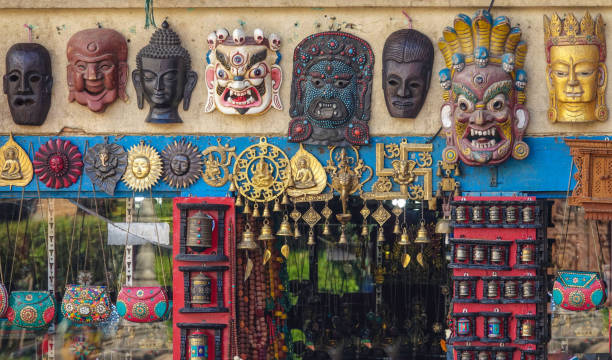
(97,68)
(307,174)
(483,117)
(182,164)
(576,71)
(407,62)
(261,172)
(243,76)
(105,164)
(144,167)
(15,166)
(217,160)
(28,82)
(163,76)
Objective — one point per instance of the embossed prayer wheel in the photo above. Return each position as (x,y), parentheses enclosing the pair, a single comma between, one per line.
(201,289)
(479,253)
(492,289)
(501,356)
(526,254)
(199,231)
(527,214)
(464,289)
(466,355)
(526,329)
(510,214)
(510,289)
(497,254)
(477,213)
(493,328)
(483,355)
(463,326)
(461,253)
(528,289)
(198,346)
(493,214)
(460,214)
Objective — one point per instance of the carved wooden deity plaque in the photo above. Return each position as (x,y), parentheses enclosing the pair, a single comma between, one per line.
(593,190)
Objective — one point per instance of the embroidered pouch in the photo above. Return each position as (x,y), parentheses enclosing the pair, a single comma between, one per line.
(30,309)
(579,290)
(143,304)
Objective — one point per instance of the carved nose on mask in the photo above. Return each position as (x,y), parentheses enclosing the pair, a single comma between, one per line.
(238,78)
(404,91)
(91,73)
(478,117)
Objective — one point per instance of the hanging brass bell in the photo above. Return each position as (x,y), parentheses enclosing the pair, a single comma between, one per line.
(493,214)
(492,289)
(460,213)
(510,289)
(510,214)
(256,213)
(311,238)
(266,232)
(326,229)
(343,239)
(461,253)
(285,200)
(483,355)
(439,170)
(381,235)
(396,228)
(277,207)
(464,289)
(266,212)
(285,228)
(479,253)
(528,289)
(457,170)
(247,208)
(238,201)
(443,226)
(526,254)
(296,231)
(497,254)
(364,230)
(527,214)
(457,191)
(526,329)
(477,213)
(247,242)
(422,236)
(404,238)
(466,355)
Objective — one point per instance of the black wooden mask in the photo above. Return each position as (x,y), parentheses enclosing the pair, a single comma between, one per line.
(28,83)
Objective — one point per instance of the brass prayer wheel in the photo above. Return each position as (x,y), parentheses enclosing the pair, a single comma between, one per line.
(493,328)
(510,214)
(526,254)
(199,231)
(460,213)
(492,289)
(526,329)
(464,289)
(477,213)
(493,214)
(461,253)
(501,356)
(528,289)
(497,254)
(466,355)
(527,214)
(200,289)
(479,253)
(198,346)
(510,289)
(483,355)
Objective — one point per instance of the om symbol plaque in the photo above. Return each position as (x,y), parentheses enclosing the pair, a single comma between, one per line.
(262,172)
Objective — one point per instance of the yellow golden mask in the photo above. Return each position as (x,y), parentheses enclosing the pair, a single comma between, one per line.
(577,74)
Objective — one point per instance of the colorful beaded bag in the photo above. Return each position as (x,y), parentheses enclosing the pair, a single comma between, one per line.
(31,309)
(3,300)
(142,304)
(86,304)
(575,290)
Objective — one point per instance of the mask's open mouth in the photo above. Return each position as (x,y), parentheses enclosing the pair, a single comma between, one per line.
(240,99)
(403,104)
(488,139)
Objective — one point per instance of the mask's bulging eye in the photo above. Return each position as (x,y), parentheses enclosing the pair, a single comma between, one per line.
(318,83)
(464,104)
(13,78)
(497,103)
(258,72)
(221,74)
(341,84)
